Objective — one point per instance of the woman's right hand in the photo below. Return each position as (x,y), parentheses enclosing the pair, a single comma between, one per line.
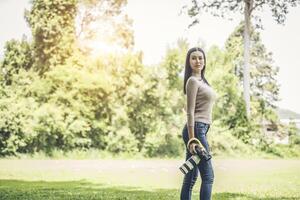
(192,148)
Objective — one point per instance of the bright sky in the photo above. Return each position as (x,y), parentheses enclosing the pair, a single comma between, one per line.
(157,24)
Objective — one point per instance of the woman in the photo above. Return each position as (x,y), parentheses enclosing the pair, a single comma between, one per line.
(200,99)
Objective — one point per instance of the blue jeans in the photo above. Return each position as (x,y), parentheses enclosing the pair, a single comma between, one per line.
(205,167)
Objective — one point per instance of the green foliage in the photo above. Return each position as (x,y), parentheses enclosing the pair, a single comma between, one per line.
(225,9)
(229,106)
(264,86)
(223,142)
(17,55)
(155,102)
(174,62)
(56,111)
(53,30)
(113,102)
(284,151)
(163,142)
(293,133)
(264,89)
(75,107)
(15,114)
(121,141)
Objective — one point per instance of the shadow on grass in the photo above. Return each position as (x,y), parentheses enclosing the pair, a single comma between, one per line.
(84,190)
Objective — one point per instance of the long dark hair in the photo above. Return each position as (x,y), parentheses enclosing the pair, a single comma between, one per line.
(188,70)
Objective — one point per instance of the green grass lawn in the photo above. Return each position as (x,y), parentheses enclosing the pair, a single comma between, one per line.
(144,179)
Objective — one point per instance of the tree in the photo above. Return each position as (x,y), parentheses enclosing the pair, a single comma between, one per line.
(293,133)
(52,25)
(174,63)
(17,55)
(263,73)
(223,9)
(264,86)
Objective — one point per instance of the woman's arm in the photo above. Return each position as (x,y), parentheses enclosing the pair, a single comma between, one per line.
(191,132)
(191,93)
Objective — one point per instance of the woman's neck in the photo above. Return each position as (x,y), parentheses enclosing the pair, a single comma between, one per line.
(197,75)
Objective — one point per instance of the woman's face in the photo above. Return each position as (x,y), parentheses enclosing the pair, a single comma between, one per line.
(197,61)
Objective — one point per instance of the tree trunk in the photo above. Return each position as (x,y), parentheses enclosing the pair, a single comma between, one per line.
(246,73)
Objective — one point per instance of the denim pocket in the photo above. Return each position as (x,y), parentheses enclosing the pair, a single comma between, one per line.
(201,129)
(200,125)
